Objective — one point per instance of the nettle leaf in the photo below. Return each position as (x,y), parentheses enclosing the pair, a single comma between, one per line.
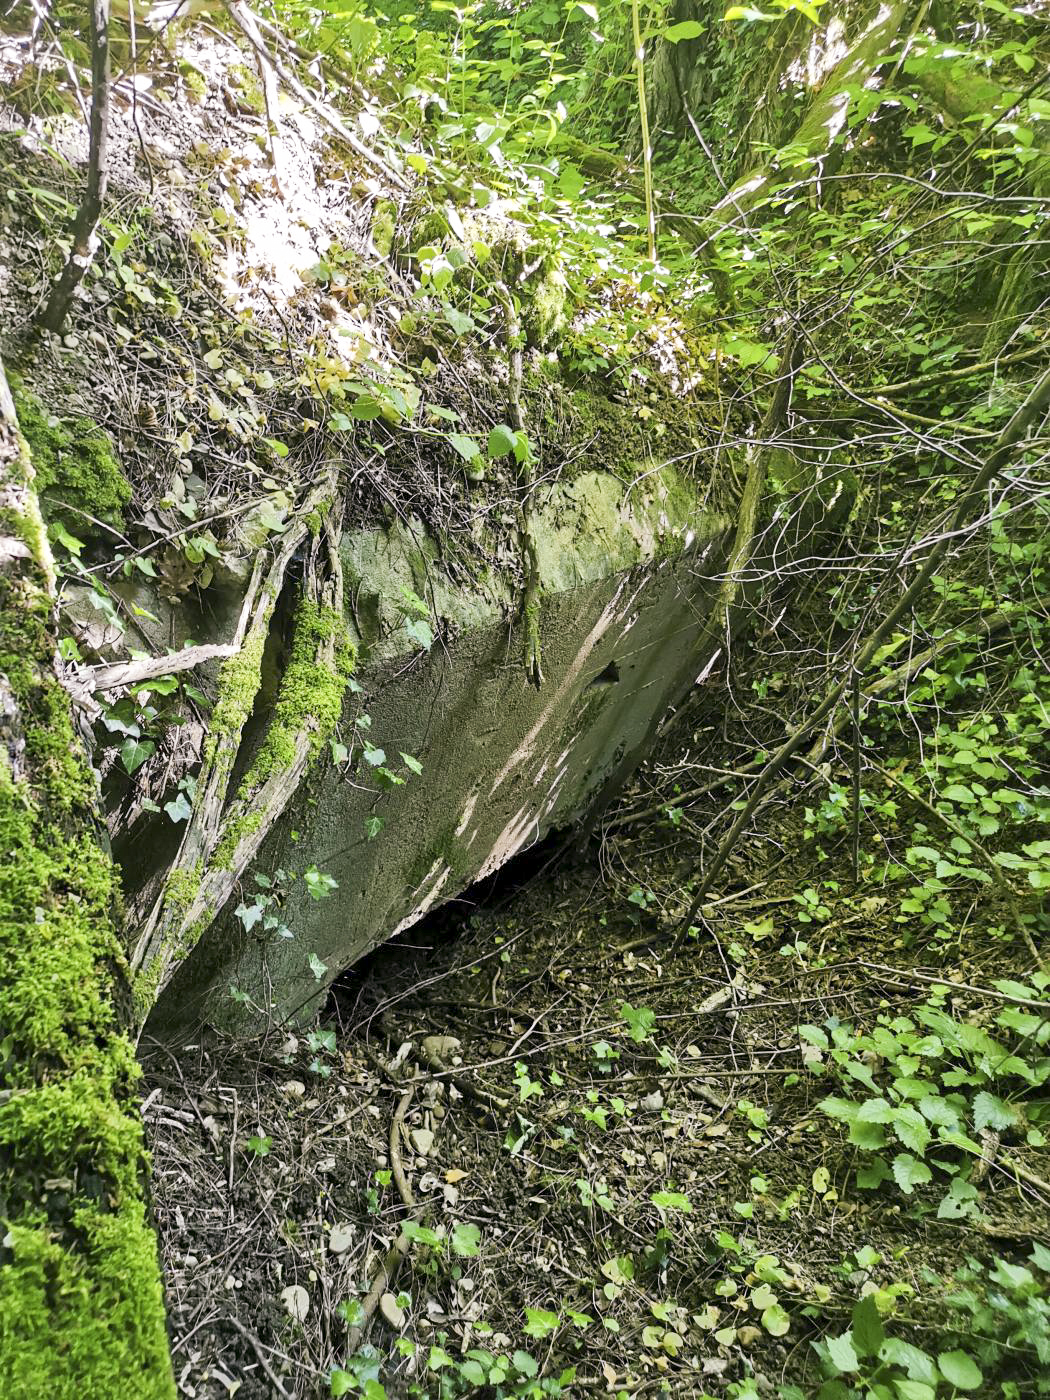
(992,1112)
(909,1172)
(866,1327)
(841,1353)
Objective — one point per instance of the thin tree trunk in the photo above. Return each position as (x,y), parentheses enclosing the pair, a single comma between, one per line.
(81,1306)
(56,312)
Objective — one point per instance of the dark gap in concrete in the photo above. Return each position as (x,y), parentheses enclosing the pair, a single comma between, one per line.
(405,957)
(609,676)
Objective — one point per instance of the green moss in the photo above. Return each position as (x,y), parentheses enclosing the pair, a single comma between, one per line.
(384,225)
(181,889)
(76,470)
(234,833)
(249,89)
(310,696)
(81,1308)
(239,681)
(545,313)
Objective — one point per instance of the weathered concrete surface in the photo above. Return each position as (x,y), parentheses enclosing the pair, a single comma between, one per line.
(624,571)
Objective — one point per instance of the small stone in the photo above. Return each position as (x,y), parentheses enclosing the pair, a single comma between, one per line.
(441,1047)
(340,1238)
(422,1139)
(296,1301)
(391,1312)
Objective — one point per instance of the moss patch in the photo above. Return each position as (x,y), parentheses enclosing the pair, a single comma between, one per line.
(81,1308)
(310,696)
(77,473)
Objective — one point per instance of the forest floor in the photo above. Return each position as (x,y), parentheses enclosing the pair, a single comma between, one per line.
(612,1150)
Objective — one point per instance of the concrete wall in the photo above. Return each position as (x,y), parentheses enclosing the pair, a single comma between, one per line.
(625,597)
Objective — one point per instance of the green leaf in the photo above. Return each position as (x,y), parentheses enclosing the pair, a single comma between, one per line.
(412,764)
(776,1321)
(687,29)
(178,809)
(465,1240)
(421,1234)
(467,448)
(671,1200)
(746,13)
(342,1382)
(420,632)
(374,756)
(866,1327)
(524,1364)
(134,752)
(959,1369)
(992,1112)
(909,1172)
(841,1353)
(502,440)
(317,967)
(540,1322)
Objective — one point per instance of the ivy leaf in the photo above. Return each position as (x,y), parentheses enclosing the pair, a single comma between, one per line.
(134,752)
(909,1172)
(317,967)
(992,1112)
(540,1322)
(959,1369)
(178,809)
(413,764)
(420,632)
(374,756)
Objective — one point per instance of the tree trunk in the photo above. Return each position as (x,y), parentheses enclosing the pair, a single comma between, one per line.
(56,311)
(81,1305)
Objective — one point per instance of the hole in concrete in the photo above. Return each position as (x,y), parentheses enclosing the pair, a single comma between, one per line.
(609,676)
(409,960)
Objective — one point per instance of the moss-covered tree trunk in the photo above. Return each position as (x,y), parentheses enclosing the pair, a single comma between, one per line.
(81,1305)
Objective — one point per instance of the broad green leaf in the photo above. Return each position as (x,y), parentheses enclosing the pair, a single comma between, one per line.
(959,1369)
(842,1354)
(992,1112)
(502,440)
(687,29)
(909,1172)
(467,448)
(866,1327)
